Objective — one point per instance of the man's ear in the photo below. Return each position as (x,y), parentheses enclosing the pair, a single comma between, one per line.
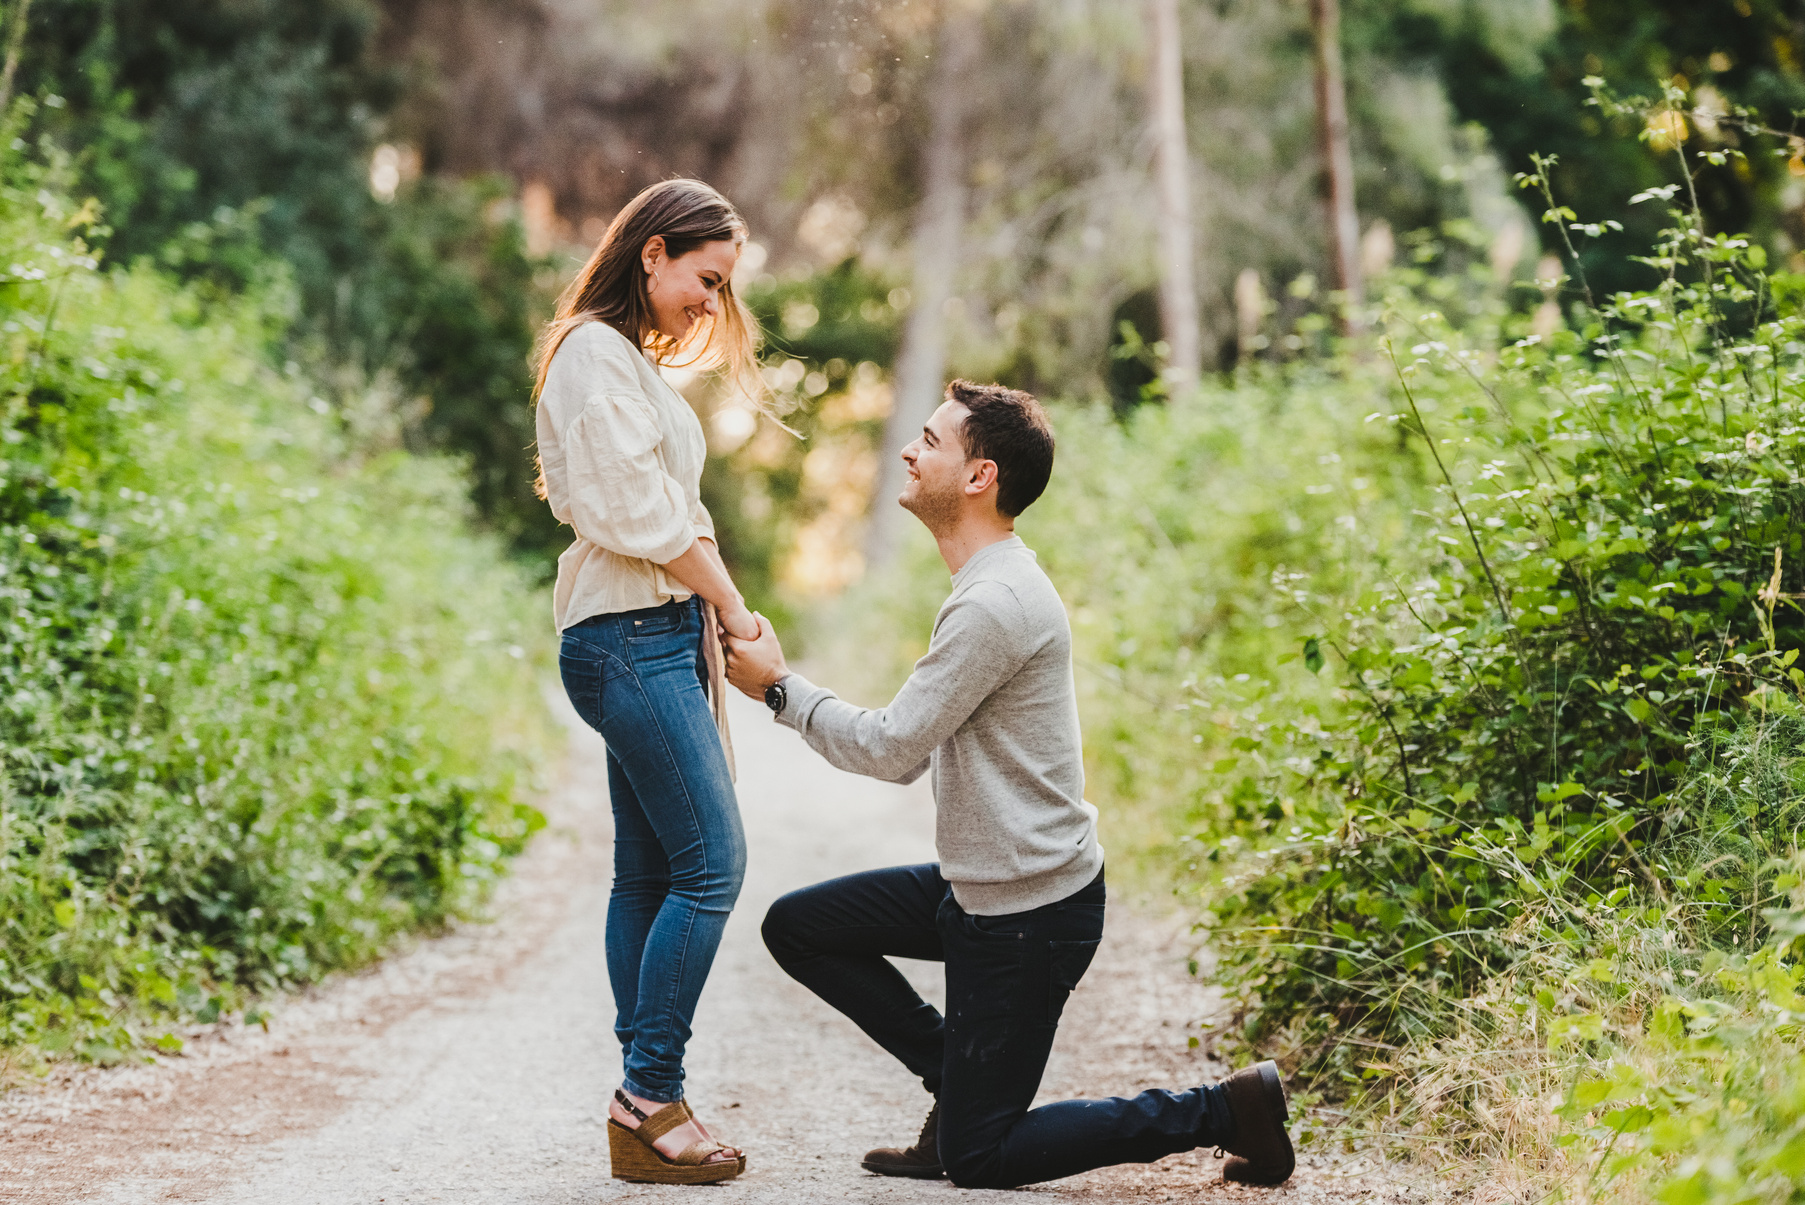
(983,476)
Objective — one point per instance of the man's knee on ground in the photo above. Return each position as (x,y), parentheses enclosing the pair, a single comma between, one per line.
(969,1166)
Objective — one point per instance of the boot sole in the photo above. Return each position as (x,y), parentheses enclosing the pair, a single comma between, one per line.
(911,1173)
(1275,1087)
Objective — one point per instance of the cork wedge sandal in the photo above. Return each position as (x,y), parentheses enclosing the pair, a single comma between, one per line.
(631,1155)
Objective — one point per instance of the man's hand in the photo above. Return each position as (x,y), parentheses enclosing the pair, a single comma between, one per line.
(753,665)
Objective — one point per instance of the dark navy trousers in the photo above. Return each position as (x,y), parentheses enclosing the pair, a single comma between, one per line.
(1007,979)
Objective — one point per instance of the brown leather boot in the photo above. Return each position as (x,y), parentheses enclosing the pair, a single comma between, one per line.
(919,1162)
(1261,1152)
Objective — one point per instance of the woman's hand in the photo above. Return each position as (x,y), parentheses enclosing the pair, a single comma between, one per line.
(738,622)
(701,569)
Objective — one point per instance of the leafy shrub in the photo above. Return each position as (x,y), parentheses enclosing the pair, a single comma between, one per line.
(1702,1096)
(1606,569)
(264,699)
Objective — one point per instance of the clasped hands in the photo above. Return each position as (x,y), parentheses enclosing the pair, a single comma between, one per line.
(753,664)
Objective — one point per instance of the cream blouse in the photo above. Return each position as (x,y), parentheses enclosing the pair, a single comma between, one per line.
(623,455)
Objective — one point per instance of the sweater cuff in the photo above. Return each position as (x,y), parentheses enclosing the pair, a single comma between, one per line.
(801,697)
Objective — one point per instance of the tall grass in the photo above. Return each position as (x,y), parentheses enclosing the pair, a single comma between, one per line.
(1640,1048)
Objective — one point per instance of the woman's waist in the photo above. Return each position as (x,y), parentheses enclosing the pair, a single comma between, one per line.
(593,581)
(640,616)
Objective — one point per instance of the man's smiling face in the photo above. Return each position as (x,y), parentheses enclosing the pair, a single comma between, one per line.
(937,465)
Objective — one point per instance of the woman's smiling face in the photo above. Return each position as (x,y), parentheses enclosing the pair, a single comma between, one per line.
(686,289)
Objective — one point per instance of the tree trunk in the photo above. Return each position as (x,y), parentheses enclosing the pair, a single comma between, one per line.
(15,38)
(1177,280)
(934,249)
(1338,160)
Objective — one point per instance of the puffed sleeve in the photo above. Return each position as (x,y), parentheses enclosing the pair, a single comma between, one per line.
(621,498)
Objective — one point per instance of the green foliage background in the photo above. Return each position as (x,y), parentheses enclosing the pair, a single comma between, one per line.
(1447,677)
(222,139)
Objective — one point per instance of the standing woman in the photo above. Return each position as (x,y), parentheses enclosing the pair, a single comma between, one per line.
(641,599)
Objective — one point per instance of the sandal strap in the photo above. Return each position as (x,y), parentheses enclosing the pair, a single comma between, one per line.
(626,1102)
(697,1153)
(663,1122)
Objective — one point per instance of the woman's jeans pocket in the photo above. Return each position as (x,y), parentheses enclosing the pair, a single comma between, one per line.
(584,668)
(661,621)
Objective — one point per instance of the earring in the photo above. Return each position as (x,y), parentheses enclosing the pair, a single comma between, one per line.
(654,284)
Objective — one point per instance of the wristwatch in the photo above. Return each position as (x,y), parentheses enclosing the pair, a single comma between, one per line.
(776,697)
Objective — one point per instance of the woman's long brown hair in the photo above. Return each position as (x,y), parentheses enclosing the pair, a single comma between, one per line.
(611,288)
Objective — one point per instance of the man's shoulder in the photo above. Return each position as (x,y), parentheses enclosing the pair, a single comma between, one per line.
(1013,587)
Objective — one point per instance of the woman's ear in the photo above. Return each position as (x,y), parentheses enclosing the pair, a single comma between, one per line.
(652,254)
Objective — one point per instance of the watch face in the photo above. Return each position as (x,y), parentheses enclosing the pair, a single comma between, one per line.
(774,696)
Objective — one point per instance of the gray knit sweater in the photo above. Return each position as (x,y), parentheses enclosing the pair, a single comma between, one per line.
(992,710)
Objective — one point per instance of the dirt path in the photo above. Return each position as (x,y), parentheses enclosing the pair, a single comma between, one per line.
(475,1068)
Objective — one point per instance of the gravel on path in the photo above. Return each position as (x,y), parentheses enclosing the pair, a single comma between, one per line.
(475,1067)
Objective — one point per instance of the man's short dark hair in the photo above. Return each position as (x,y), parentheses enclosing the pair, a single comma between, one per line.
(1010,428)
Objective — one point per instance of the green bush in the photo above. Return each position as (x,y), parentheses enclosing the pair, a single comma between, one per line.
(218,137)
(265,700)
(1606,573)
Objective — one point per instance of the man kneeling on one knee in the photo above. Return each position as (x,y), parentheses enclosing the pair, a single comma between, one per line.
(1014,907)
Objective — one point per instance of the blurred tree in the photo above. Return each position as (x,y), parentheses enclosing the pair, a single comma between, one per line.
(1337,158)
(15,22)
(1518,67)
(935,243)
(180,107)
(222,134)
(1172,163)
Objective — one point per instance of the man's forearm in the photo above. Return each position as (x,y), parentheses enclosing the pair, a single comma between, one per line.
(858,740)
(969,655)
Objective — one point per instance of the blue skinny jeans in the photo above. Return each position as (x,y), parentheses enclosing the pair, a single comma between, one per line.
(637,678)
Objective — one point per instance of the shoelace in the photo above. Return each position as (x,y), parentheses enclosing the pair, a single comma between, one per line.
(928,1127)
